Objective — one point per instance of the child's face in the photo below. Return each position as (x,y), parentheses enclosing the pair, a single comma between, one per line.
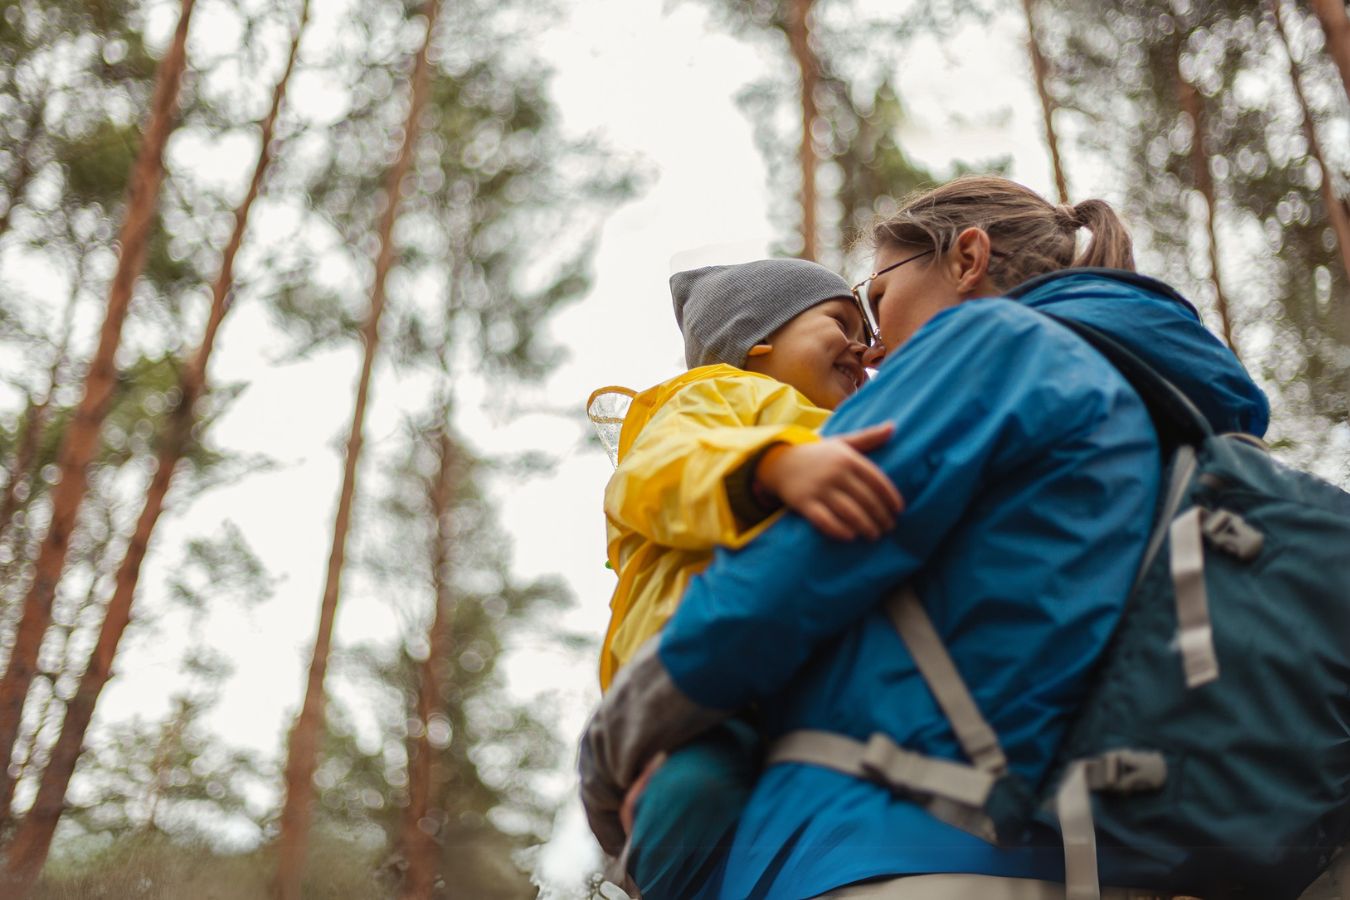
(818,352)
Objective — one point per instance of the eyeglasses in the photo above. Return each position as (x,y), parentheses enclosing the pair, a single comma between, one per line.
(862,291)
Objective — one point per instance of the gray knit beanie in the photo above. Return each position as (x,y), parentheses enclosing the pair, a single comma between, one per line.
(723,311)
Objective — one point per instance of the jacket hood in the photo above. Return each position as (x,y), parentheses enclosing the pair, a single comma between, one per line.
(1162,328)
(646,403)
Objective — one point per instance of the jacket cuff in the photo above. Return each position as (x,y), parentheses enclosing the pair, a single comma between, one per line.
(643,714)
(745,502)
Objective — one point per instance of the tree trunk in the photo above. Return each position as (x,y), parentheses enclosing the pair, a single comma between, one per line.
(808,65)
(1192,105)
(1336,26)
(28,851)
(1338,214)
(1040,70)
(423,824)
(81,441)
(301,760)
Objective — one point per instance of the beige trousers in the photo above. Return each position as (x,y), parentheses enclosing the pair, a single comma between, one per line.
(971,887)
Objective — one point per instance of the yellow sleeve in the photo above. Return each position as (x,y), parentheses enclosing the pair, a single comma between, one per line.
(670,486)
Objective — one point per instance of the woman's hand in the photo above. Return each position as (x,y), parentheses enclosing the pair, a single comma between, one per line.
(628,812)
(830,483)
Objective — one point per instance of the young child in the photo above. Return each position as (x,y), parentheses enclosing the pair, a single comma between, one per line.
(704,460)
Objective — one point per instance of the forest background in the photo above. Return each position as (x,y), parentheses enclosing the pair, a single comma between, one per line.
(423,232)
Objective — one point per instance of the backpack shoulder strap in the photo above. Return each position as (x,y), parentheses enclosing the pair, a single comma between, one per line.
(976,737)
(955,792)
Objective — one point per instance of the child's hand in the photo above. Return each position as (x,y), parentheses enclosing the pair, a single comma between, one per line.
(837,489)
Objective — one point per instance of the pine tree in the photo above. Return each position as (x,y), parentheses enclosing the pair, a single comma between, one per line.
(28,850)
(81,441)
(1337,210)
(847,120)
(456,804)
(1286,289)
(1040,72)
(1331,14)
(303,745)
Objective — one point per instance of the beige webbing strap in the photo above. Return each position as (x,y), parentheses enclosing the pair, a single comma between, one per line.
(977,739)
(820,748)
(1121,771)
(1195,636)
(953,792)
(1183,468)
(1073,806)
(883,760)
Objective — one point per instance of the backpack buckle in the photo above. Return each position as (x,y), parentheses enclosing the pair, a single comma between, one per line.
(1229,532)
(1126,771)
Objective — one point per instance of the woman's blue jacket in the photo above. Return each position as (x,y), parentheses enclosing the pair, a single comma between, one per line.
(1030,470)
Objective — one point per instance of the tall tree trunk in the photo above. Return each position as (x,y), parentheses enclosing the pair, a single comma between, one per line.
(423,824)
(1040,70)
(32,841)
(1338,213)
(1336,26)
(297,810)
(808,65)
(81,440)
(1193,105)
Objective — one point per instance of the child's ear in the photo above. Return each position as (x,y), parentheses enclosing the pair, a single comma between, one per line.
(759,350)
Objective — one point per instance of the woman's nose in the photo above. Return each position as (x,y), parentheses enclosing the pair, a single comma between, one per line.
(873,355)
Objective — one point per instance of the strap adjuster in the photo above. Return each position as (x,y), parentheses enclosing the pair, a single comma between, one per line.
(1126,771)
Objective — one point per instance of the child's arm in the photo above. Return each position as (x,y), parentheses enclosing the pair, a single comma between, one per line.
(833,485)
(671,485)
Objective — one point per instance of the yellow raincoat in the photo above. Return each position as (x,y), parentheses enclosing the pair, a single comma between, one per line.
(667,505)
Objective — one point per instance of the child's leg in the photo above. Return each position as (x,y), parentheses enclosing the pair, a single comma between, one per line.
(686,818)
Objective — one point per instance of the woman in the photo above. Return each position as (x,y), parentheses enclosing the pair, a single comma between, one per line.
(1029,469)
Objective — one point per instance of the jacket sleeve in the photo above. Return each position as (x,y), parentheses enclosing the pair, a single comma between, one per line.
(982,390)
(671,485)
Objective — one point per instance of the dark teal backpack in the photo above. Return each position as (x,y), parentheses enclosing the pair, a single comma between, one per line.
(1212,756)
(1215,745)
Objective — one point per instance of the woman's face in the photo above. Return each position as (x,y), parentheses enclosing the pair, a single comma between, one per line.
(905,298)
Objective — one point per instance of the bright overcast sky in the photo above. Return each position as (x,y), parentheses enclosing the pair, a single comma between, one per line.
(654,83)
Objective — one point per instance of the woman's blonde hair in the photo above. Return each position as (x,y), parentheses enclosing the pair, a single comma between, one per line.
(1029,235)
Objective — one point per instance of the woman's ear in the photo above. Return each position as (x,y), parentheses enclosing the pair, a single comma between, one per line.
(970,260)
(759,350)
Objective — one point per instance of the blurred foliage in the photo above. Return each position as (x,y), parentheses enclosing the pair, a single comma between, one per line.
(153,866)
(863,171)
(490,751)
(173,777)
(499,213)
(1120,70)
(499,221)
(219,569)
